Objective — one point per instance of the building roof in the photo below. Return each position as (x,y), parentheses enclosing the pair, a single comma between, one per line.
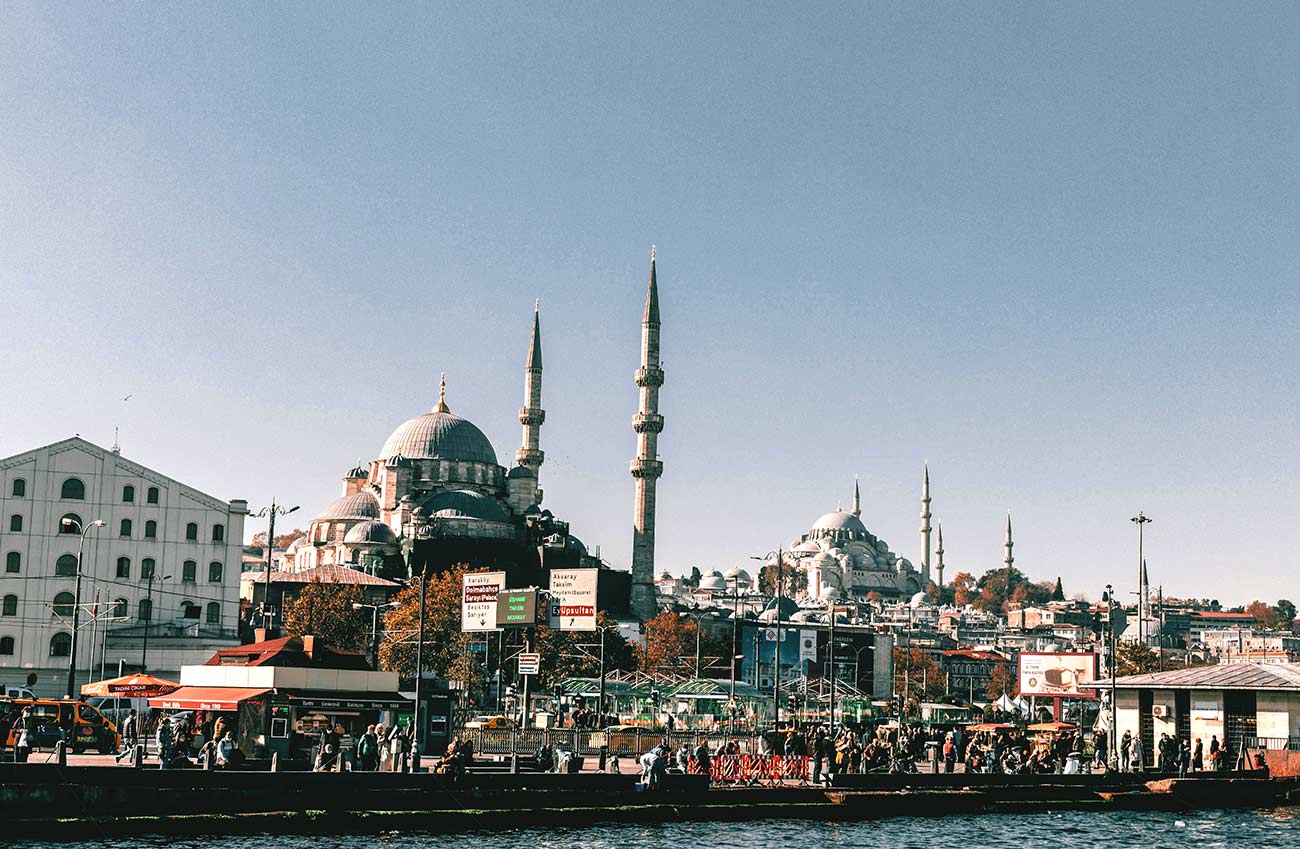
(331,574)
(439,435)
(358,505)
(1219,614)
(976,654)
(1235,676)
(305,651)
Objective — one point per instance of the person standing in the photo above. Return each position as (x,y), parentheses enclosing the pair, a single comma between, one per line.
(1214,752)
(1198,756)
(166,739)
(368,750)
(24,731)
(1184,757)
(1139,755)
(949,754)
(1125,751)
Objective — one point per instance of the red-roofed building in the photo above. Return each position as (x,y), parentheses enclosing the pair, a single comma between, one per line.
(303,652)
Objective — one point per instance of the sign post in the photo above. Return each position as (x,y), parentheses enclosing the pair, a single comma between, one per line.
(530,663)
(573,599)
(478,607)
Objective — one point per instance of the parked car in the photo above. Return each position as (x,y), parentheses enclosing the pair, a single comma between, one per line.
(491,722)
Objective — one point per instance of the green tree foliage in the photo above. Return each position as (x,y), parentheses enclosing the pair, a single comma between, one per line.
(794,581)
(324,610)
(1058,592)
(998,588)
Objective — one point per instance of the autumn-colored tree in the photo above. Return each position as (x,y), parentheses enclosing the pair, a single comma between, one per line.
(324,610)
(576,654)
(281,540)
(963,586)
(445,647)
(1265,616)
(941,595)
(1002,681)
(1000,587)
(921,673)
(794,581)
(669,645)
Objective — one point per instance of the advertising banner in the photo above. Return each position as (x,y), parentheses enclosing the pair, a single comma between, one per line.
(1069,675)
(478,606)
(573,599)
(807,646)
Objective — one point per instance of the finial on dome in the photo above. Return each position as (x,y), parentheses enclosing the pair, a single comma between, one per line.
(537,305)
(652,253)
(442,395)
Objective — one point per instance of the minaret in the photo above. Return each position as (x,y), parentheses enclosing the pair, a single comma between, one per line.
(1007,559)
(647,468)
(925,528)
(938,554)
(857,498)
(532,415)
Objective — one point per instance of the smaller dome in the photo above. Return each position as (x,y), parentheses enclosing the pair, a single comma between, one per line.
(357,472)
(738,575)
(374,532)
(713,581)
(521,472)
(299,541)
(360,505)
(464,504)
(806,547)
(398,461)
(788,607)
(830,592)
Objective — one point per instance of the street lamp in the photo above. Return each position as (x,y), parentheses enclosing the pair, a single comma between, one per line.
(76,606)
(1141,520)
(271,511)
(735,643)
(1110,622)
(148,623)
(374,623)
(776,650)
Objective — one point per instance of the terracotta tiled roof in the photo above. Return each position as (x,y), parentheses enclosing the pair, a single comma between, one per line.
(331,574)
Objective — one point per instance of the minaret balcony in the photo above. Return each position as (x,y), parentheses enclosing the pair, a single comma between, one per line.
(648,423)
(646,468)
(532,416)
(649,376)
(530,457)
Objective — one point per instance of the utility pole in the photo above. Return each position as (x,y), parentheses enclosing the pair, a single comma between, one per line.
(271,511)
(76,604)
(1141,521)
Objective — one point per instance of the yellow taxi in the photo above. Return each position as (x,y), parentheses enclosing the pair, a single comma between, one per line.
(492,722)
(81,725)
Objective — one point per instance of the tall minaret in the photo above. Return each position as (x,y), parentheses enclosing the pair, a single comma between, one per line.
(857,498)
(647,468)
(532,415)
(938,553)
(925,528)
(1007,559)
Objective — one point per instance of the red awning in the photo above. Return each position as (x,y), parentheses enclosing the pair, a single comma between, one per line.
(206,698)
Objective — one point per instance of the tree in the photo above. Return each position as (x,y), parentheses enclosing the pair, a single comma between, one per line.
(1285,614)
(669,645)
(324,610)
(941,595)
(576,654)
(1002,681)
(998,588)
(445,652)
(281,540)
(794,581)
(921,673)
(1264,615)
(1058,592)
(963,584)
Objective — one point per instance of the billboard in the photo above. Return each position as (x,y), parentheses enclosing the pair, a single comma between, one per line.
(1061,674)
(573,599)
(517,608)
(478,601)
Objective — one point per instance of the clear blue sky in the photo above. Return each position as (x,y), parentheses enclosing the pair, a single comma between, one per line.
(1052,248)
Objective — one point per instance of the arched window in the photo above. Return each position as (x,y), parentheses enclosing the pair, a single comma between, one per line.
(15,523)
(61,645)
(119,608)
(9,607)
(128,494)
(218,533)
(192,532)
(74,490)
(144,611)
(151,495)
(70,523)
(126,528)
(63,603)
(65,566)
(146,569)
(214,613)
(189,571)
(124,567)
(13,562)
(189,610)
(6,645)
(214,572)
(20,488)
(151,529)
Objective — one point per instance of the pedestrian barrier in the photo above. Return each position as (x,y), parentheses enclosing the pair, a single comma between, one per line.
(746,769)
(582,741)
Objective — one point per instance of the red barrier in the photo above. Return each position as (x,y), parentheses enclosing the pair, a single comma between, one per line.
(747,768)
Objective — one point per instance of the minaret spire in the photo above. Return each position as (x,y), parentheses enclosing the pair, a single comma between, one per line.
(857,498)
(647,468)
(1008,559)
(531,416)
(938,554)
(441,406)
(925,527)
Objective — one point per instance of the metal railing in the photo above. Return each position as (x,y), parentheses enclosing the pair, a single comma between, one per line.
(505,741)
(1288,743)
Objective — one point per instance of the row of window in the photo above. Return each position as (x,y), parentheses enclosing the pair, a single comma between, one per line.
(74,489)
(66,567)
(70,523)
(64,602)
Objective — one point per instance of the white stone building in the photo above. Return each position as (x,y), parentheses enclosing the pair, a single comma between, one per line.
(190,542)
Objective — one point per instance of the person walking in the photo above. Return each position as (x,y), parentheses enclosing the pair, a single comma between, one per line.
(130,735)
(1139,755)
(949,754)
(368,750)
(1125,751)
(24,733)
(166,738)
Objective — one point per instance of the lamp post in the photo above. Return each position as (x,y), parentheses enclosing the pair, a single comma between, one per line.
(76,605)
(830,661)
(272,511)
(776,649)
(419,672)
(374,624)
(1141,521)
(148,623)
(735,651)
(1110,623)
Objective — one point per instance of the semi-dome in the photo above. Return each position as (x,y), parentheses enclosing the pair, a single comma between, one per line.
(359,505)
(376,532)
(839,520)
(439,435)
(464,504)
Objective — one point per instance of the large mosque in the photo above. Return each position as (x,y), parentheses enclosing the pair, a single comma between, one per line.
(436,495)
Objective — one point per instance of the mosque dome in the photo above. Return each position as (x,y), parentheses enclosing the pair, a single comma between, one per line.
(439,435)
(713,581)
(375,532)
(737,575)
(840,521)
(788,608)
(520,472)
(359,505)
(464,504)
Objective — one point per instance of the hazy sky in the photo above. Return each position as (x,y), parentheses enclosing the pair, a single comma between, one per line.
(1052,248)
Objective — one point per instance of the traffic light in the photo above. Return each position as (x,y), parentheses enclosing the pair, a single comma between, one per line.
(654,698)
